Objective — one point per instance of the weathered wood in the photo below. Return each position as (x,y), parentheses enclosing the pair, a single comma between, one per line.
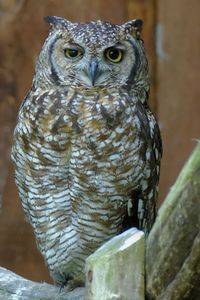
(116,270)
(173,246)
(7,85)
(14,287)
(178,88)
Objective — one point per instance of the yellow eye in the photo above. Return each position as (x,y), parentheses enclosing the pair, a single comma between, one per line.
(114,55)
(73,53)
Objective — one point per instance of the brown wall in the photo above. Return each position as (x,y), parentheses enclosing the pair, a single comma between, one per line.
(178,87)
(174,93)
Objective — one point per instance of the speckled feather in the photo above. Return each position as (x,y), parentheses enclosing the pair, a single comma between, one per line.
(87,158)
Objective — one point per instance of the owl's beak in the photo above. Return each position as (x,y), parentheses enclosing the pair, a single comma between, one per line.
(93,70)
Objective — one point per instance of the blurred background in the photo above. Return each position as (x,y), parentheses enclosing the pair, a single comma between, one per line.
(172,39)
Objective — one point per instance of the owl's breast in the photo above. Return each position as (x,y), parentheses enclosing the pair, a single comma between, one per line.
(105,166)
(107,147)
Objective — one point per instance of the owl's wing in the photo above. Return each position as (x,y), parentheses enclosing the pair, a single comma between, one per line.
(152,172)
(41,152)
(143,210)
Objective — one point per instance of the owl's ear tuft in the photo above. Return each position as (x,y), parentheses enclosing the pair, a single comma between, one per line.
(134,27)
(56,22)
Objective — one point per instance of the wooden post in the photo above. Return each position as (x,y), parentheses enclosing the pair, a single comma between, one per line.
(116,270)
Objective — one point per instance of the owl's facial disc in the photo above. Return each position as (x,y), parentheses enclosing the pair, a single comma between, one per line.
(92,66)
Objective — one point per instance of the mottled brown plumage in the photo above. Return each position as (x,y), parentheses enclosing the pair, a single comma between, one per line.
(86,146)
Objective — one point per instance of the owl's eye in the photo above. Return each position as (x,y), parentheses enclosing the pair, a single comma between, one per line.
(73,53)
(114,55)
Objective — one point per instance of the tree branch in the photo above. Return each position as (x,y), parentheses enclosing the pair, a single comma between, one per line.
(173,246)
(13,286)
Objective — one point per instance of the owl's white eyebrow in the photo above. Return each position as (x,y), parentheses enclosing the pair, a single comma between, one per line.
(72,46)
(119,46)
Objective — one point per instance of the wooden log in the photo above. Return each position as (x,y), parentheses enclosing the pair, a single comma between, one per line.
(173,246)
(116,270)
(15,287)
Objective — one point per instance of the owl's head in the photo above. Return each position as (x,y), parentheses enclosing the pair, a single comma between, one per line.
(93,55)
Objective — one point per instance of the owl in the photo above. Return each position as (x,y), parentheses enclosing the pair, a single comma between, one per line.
(86,146)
